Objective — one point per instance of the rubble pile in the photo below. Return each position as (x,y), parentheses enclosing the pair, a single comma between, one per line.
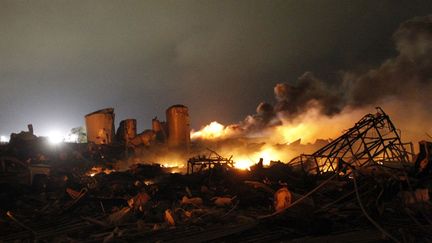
(358,194)
(222,204)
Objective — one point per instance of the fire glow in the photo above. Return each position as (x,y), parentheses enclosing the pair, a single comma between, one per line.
(97,170)
(307,127)
(268,154)
(214,130)
(245,159)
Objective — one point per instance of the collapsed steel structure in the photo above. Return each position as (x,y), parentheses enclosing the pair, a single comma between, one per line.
(373,141)
(199,163)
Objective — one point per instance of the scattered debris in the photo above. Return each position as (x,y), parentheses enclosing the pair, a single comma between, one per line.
(223,201)
(169,217)
(282,199)
(197,201)
(364,186)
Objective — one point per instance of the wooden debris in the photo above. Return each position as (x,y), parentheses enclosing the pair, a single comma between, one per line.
(197,201)
(169,217)
(223,201)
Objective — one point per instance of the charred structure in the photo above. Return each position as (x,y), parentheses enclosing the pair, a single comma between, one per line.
(373,142)
(213,159)
(175,132)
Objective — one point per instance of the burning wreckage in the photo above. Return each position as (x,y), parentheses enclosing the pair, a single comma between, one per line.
(366,185)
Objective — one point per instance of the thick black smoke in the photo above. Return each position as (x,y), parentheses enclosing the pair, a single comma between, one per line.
(309,90)
(406,78)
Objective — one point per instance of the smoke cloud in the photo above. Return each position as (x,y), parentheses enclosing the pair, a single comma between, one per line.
(306,114)
(408,76)
(401,85)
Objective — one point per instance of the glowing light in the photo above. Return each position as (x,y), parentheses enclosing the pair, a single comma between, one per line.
(55,137)
(213,130)
(291,133)
(97,170)
(243,164)
(267,154)
(174,171)
(148,182)
(4,139)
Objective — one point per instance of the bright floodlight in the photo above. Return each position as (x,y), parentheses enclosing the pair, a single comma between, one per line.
(55,137)
(4,139)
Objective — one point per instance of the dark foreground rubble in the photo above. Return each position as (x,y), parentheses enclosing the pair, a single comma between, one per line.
(363,187)
(264,204)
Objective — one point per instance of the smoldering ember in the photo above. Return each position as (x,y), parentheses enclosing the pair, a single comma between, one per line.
(343,153)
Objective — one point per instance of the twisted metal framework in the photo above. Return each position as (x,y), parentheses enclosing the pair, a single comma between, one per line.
(373,141)
(199,163)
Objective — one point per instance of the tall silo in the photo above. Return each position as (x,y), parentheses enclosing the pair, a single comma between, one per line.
(160,130)
(178,126)
(127,131)
(100,126)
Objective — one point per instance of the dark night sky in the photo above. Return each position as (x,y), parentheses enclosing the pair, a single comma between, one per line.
(60,60)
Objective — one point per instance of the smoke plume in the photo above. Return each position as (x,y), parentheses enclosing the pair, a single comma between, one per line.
(401,85)
(408,76)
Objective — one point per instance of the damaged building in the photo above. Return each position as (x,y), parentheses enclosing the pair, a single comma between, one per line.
(174,132)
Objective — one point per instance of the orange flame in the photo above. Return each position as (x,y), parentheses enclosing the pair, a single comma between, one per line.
(214,130)
(267,154)
(309,126)
(98,169)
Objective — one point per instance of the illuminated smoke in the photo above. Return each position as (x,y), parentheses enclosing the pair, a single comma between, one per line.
(408,76)
(295,99)
(313,108)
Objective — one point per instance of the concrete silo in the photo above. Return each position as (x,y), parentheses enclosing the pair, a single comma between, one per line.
(100,126)
(178,126)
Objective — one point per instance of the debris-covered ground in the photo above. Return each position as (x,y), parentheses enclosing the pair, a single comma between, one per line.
(264,204)
(362,187)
